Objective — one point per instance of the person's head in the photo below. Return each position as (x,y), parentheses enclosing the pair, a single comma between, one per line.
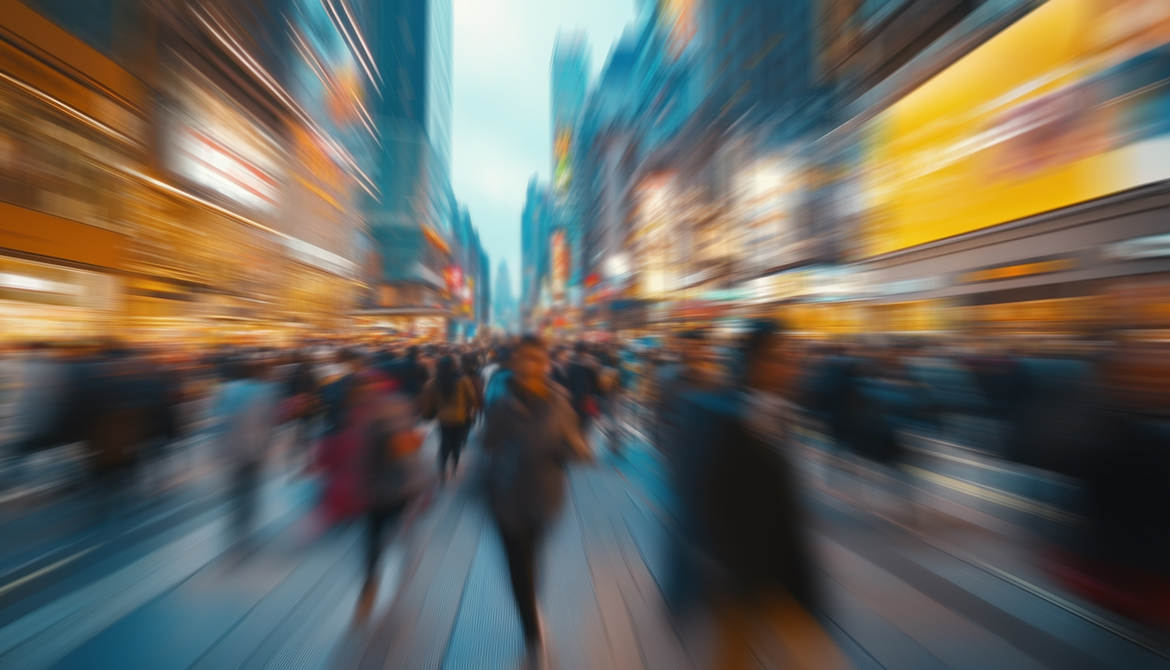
(504,356)
(581,349)
(470,363)
(529,362)
(767,365)
(446,374)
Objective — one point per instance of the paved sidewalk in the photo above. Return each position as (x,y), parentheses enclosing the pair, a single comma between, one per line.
(598,593)
(157,593)
(893,597)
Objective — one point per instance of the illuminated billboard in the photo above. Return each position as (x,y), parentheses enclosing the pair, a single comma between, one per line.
(1069,104)
(562,149)
(212,144)
(560,263)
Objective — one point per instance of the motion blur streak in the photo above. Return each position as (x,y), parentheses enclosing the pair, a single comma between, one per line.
(839,337)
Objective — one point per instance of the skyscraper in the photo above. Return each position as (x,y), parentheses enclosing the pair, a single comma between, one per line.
(411,223)
(504,312)
(534,235)
(764,63)
(569,88)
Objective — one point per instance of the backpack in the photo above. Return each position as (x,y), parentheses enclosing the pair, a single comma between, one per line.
(453,411)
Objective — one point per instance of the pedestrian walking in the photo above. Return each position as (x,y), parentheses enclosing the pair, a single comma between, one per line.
(382,419)
(530,435)
(451,398)
(109,405)
(745,514)
(495,376)
(582,381)
(471,370)
(43,383)
(246,414)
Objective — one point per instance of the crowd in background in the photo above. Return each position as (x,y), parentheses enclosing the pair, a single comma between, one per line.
(723,415)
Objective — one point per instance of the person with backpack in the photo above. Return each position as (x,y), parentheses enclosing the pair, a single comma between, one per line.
(471,370)
(495,376)
(451,398)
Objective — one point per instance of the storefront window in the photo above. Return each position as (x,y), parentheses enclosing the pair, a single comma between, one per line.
(55,165)
(47,302)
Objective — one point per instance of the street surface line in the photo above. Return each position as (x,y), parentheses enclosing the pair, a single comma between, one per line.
(45,570)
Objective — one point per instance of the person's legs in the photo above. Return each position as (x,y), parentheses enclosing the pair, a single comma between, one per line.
(447,438)
(245,483)
(460,440)
(520,547)
(375,523)
(584,421)
(377,519)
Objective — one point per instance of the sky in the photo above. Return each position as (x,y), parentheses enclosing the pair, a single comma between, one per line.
(500,127)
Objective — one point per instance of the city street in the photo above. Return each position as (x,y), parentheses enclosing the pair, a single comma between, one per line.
(950,583)
(779,334)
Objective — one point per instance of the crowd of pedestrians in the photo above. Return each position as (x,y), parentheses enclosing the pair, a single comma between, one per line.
(722,415)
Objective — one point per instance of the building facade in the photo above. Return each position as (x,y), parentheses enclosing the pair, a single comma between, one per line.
(226,204)
(412,221)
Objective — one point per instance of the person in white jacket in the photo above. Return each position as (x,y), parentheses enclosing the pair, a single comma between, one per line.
(246,417)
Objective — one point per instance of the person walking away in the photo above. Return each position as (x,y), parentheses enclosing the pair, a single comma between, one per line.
(609,395)
(299,396)
(160,386)
(584,388)
(672,381)
(496,377)
(383,419)
(530,435)
(471,370)
(451,399)
(560,366)
(334,388)
(106,402)
(746,515)
(412,374)
(340,457)
(246,422)
(42,385)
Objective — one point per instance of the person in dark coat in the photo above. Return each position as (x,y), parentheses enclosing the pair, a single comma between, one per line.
(581,380)
(745,513)
(529,436)
(673,383)
(412,375)
(112,403)
(1119,555)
